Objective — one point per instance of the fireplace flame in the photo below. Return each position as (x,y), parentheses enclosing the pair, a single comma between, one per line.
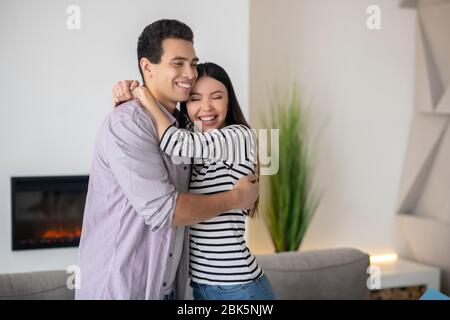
(60,233)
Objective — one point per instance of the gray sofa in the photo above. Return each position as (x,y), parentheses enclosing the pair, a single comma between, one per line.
(320,274)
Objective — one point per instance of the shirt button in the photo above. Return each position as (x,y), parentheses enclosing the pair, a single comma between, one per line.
(185,168)
(164,284)
(170,255)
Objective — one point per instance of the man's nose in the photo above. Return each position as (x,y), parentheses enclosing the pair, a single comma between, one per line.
(190,73)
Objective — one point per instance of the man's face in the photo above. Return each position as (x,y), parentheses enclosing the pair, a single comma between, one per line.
(173,78)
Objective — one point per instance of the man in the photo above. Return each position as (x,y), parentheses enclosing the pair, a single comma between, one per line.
(136,208)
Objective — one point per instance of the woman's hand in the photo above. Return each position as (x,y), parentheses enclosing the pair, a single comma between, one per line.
(121,91)
(247,190)
(149,104)
(145,98)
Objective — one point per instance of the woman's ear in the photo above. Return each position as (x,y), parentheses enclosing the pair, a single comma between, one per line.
(146,67)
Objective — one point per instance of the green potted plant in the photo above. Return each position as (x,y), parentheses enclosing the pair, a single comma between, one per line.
(292,201)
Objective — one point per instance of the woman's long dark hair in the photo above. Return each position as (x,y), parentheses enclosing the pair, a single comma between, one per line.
(234,112)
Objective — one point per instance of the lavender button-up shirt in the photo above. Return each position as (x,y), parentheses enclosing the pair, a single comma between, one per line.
(127,247)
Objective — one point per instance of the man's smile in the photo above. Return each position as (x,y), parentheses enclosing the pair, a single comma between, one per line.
(184,85)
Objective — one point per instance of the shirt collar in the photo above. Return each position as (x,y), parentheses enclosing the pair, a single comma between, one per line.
(172,117)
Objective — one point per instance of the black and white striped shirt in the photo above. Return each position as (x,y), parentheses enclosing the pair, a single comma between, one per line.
(218,250)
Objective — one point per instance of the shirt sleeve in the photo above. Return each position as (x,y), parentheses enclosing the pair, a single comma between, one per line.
(135,160)
(234,144)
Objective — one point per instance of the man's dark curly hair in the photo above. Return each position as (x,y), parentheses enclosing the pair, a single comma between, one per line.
(150,41)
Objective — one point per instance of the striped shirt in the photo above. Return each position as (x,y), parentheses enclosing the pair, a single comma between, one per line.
(218,250)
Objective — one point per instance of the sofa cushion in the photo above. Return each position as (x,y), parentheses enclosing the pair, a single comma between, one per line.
(319,274)
(35,285)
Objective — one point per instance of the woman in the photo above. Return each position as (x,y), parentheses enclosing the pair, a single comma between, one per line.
(221,265)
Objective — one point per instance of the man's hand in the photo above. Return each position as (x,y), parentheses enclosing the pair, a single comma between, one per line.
(193,208)
(247,190)
(121,91)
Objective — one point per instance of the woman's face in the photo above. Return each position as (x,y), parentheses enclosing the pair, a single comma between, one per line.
(208,103)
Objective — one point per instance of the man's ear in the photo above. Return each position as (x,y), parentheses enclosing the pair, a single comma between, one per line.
(146,67)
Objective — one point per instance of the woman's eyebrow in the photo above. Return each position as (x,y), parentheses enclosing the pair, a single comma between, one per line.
(199,94)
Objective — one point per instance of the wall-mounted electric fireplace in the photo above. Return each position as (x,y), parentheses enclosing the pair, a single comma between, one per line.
(47,212)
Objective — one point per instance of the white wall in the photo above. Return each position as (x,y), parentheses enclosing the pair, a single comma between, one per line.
(360,84)
(55,85)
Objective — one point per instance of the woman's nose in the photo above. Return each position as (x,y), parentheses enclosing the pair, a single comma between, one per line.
(206,105)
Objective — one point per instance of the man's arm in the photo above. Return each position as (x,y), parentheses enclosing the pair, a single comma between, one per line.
(132,153)
(193,208)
